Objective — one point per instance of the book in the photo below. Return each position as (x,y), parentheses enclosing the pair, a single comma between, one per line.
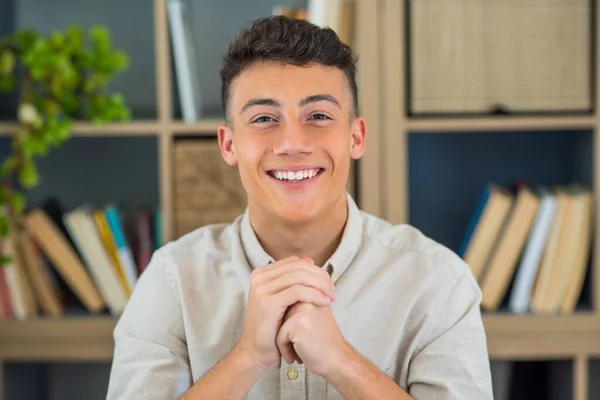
(45,287)
(503,260)
(484,227)
(520,295)
(122,246)
(186,63)
(64,259)
(87,239)
(111,247)
(573,285)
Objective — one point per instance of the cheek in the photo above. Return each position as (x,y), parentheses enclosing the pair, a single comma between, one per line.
(339,151)
(250,153)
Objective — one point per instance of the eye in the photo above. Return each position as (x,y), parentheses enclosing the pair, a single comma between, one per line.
(263,118)
(320,116)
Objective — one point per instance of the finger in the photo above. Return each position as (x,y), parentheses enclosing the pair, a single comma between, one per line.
(285,346)
(290,265)
(299,293)
(300,276)
(276,264)
(310,260)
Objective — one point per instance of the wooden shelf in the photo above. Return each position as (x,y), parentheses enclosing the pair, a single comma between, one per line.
(514,337)
(540,337)
(511,123)
(206,127)
(134,128)
(69,339)
(503,323)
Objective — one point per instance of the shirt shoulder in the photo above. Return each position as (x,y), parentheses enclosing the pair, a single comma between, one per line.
(425,258)
(214,236)
(407,238)
(204,250)
(436,285)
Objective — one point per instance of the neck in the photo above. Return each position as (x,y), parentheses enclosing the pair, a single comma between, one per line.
(317,239)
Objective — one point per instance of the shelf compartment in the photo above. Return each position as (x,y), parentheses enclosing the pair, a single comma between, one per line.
(511,123)
(98,170)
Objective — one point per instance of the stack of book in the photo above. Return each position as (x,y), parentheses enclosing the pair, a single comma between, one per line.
(530,248)
(84,257)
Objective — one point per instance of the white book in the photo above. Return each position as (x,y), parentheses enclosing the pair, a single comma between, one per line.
(186,64)
(82,229)
(18,303)
(519,299)
(324,13)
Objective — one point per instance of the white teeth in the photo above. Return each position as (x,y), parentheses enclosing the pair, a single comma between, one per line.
(295,176)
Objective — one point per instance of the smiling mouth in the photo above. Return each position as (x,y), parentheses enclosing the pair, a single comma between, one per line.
(296,176)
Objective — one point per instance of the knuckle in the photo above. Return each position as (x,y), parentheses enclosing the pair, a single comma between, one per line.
(324,274)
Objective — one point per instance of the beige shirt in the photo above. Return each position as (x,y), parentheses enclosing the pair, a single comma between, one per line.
(405,302)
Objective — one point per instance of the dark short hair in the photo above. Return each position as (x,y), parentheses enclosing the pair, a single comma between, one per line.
(288,41)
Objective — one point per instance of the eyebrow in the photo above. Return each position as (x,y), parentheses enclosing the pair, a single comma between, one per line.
(274,103)
(319,97)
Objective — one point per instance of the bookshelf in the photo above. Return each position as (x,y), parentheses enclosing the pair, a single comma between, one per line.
(382,189)
(571,337)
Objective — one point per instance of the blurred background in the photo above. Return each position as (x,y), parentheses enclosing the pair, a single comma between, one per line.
(481,133)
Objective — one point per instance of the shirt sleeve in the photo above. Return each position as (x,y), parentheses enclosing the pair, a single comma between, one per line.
(453,363)
(150,358)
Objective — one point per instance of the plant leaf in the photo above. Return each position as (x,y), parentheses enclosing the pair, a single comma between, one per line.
(18,201)
(3,225)
(5,260)
(7,62)
(28,175)
(7,83)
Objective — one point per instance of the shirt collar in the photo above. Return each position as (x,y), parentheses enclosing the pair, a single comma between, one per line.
(337,263)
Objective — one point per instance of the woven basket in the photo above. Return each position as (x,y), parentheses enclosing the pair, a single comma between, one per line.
(519,55)
(207,190)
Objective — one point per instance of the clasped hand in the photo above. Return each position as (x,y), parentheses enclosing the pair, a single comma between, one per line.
(289,316)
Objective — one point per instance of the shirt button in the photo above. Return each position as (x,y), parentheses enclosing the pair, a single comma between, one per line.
(292,373)
(334,278)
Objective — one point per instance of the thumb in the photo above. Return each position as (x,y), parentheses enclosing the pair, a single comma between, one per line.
(285,346)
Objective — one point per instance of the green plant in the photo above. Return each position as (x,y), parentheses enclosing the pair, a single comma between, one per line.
(60,78)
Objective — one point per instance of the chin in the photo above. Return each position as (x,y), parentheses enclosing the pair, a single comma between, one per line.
(296,212)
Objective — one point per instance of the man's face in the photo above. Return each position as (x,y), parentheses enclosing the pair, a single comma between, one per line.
(292,136)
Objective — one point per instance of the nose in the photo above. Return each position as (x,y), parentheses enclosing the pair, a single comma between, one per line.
(293,140)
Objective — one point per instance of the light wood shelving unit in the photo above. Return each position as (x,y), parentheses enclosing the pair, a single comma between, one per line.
(381,192)
(510,337)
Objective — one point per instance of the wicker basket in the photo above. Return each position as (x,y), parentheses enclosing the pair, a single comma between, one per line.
(520,55)
(207,190)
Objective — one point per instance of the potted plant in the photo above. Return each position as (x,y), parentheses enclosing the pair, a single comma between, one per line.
(60,78)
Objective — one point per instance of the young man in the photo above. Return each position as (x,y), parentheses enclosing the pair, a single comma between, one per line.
(303,296)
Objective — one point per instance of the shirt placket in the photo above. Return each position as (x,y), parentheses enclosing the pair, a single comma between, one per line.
(292,381)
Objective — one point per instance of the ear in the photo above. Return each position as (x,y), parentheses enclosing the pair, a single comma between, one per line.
(226,144)
(358,137)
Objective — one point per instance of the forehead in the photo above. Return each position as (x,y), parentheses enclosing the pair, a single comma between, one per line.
(288,82)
